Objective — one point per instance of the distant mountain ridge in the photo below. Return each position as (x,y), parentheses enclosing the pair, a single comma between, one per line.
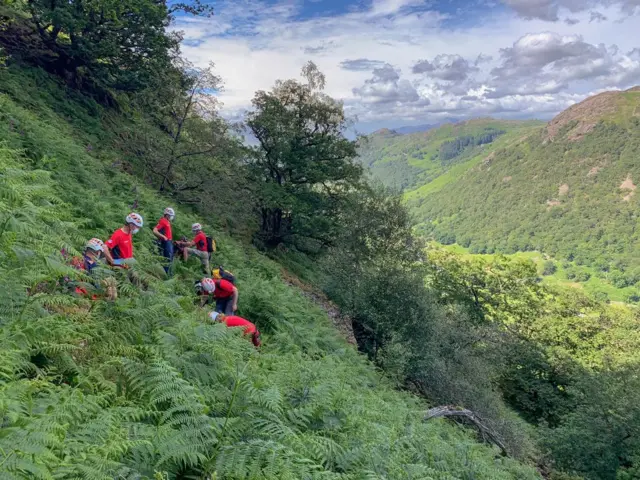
(567,188)
(404,161)
(408,129)
(423,128)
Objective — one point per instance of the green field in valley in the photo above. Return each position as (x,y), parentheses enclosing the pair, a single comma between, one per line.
(594,286)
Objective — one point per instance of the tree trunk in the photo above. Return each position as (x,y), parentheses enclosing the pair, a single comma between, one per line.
(487,434)
(275,226)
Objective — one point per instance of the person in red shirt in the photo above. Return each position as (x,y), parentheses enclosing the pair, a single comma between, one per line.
(120,245)
(200,244)
(224,293)
(235,321)
(163,233)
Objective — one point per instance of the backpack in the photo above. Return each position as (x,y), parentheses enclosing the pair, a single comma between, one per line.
(211,245)
(220,273)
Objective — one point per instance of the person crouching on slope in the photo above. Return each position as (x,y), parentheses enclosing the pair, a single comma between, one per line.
(90,260)
(224,293)
(235,321)
(120,245)
(163,233)
(92,254)
(200,243)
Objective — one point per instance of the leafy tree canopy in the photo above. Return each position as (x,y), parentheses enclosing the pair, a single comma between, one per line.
(114,43)
(304,160)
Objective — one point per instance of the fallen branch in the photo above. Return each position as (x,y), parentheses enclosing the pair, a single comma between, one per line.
(488,435)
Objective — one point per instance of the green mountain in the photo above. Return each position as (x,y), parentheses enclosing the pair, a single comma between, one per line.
(436,156)
(567,188)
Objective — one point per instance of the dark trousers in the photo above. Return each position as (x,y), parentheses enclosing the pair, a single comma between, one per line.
(224,305)
(166,250)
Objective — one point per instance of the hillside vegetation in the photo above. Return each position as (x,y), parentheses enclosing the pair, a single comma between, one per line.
(99,116)
(144,387)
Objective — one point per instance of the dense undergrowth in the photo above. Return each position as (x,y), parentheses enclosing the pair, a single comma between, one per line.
(143,387)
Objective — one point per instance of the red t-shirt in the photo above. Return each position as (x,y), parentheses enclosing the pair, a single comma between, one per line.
(121,244)
(233,321)
(201,241)
(164,227)
(224,289)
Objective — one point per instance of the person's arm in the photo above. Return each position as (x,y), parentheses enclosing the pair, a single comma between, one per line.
(203,300)
(158,234)
(107,255)
(234,299)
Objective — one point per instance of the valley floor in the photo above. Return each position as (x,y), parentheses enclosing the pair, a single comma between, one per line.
(594,286)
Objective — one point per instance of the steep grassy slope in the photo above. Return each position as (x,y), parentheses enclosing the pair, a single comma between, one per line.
(144,387)
(568,190)
(414,160)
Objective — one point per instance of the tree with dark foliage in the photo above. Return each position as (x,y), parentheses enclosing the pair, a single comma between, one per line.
(304,161)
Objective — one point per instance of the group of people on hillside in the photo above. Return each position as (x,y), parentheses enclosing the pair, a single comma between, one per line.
(217,287)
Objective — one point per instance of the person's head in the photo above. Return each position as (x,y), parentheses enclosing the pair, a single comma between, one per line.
(169,214)
(217,317)
(134,222)
(208,285)
(94,247)
(196,227)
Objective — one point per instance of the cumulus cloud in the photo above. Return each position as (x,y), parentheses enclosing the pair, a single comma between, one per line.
(482,58)
(634,54)
(477,68)
(549,9)
(545,9)
(361,65)
(548,62)
(315,49)
(450,68)
(385,86)
(534,52)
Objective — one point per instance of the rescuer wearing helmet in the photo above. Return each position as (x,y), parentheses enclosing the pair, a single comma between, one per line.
(223,292)
(163,233)
(201,249)
(120,245)
(235,321)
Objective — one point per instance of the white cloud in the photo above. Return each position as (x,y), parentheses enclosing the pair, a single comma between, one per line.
(550,10)
(374,57)
(548,63)
(451,68)
(385,87)
(389,7)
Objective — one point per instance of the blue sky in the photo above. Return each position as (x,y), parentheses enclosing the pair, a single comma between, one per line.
(407,62)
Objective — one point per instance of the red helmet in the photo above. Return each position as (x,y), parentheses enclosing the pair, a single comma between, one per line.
(208,285)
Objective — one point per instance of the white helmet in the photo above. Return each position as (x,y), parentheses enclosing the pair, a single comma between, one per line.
(96,245)
(169,211)
(196,227)
(213,316)
(135,219)
(208,285)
